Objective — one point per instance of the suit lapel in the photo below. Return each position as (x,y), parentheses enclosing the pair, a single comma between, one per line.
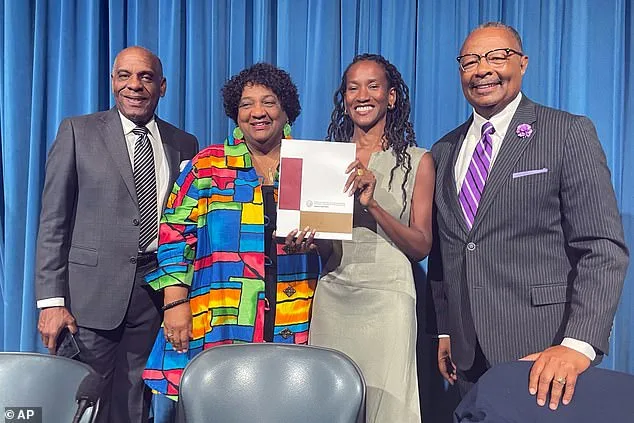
(512,149)
(115,143)
(172,154)
(449,178)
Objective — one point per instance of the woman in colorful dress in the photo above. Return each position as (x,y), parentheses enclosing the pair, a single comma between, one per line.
(365,304)
(225,277)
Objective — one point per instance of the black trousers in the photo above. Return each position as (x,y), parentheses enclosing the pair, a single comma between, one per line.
(120,355)
(468,378)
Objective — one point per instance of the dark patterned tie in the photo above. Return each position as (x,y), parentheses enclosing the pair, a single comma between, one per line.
(473,185)
(145,183)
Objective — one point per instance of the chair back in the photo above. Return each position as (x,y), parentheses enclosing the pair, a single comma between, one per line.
(30,380)
(501,395)
(271,383)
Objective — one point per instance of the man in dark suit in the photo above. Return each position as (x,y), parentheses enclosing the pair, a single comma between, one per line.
(107,177)
(529,256)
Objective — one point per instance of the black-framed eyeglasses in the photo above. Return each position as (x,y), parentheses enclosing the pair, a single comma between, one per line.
(496,58)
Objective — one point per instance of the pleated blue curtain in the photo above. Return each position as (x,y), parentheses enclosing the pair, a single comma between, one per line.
(623,147)
(56,55)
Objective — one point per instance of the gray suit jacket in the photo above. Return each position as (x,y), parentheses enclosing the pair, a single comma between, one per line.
(546,257)
(89,235)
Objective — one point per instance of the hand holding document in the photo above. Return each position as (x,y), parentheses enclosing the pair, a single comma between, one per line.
(312,177)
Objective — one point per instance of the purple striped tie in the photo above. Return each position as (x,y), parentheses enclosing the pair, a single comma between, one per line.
(476,176)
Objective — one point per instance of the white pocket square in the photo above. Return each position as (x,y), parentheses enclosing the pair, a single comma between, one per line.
(182,165)
(529,172)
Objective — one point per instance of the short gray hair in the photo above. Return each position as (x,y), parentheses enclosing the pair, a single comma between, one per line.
(509,28)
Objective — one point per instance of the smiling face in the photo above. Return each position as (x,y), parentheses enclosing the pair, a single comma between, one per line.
(137,84)
(368,95)
(490,89)
(261,117)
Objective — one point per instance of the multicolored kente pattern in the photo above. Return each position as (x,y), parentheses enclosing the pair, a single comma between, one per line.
(212,239)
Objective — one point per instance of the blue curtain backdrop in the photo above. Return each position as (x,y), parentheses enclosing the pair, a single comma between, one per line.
(55,59)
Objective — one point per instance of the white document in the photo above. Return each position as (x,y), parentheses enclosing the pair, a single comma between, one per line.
(312,178)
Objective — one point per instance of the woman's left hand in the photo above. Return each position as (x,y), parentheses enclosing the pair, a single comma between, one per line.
(300,243)
(360,181)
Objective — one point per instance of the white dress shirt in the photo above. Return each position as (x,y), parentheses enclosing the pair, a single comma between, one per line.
(161,169)
(500,122)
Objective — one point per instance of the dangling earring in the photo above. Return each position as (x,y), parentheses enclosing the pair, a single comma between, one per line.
(390,107)
(237,133)
(287,130)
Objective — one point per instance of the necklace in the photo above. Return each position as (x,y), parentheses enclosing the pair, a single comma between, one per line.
(266,166)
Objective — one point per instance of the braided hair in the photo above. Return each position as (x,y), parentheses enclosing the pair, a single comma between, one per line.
(399,131)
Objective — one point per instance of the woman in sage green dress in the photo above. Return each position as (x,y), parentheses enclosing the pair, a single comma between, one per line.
(365,302)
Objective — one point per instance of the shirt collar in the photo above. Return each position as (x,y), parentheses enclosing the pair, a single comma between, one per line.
(500,121)
(128,126)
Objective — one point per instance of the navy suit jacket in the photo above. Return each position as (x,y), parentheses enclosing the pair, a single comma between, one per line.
(546,256)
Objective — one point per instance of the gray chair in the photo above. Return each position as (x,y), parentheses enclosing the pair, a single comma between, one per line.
(46,381)
(271,383)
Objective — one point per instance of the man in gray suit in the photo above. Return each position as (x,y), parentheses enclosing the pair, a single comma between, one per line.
(107,177)
(529,256)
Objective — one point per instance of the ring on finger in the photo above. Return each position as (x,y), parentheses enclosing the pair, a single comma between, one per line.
(561,380)
(360,172)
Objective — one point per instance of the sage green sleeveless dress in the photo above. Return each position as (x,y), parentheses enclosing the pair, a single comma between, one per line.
(365,304)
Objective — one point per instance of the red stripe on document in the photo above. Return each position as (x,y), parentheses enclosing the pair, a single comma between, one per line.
(290,183)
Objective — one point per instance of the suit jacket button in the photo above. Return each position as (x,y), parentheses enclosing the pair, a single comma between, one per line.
(135,222)
(133,260)
(471,246)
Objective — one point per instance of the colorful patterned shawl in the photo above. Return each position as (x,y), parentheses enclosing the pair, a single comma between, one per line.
(212,240)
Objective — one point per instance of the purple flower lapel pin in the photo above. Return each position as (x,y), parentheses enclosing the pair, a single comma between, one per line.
(524,130)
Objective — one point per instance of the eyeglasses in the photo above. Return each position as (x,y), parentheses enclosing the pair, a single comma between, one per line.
(496,58)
